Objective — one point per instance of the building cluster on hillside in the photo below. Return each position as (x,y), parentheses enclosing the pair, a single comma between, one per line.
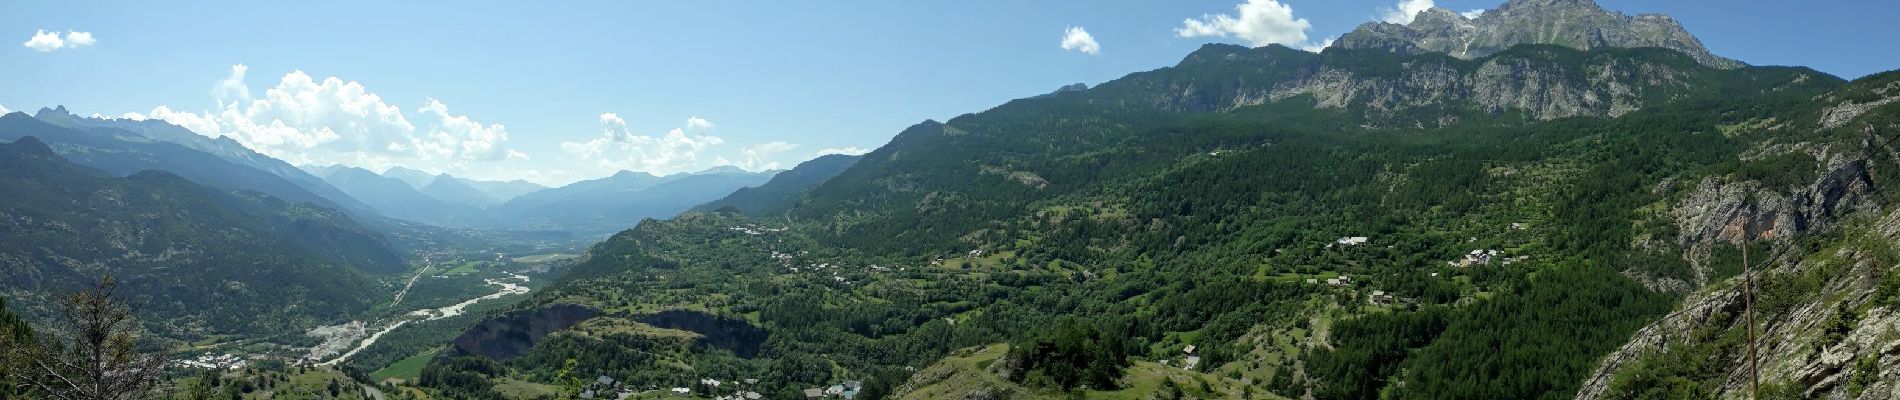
(1191,360)
(755,230)
(1486,256)
(1476,257)
(215,361)
(742,392)
(1380,297)
(847,390)
(605,387)
(840,273)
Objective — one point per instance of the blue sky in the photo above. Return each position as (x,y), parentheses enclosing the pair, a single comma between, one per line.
(559,91)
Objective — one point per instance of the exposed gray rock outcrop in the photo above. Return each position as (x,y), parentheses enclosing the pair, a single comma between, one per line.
(1579,24)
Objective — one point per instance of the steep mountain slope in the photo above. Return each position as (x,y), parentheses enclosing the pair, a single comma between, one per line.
(225,148)
(202,261)
(13,332)
(396,199)
(619,201)
(1515,208)
(937,182)
(1827,281)
(1578,24)
(785,189)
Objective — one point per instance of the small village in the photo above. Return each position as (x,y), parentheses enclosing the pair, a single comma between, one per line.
(605,387)
(226,361)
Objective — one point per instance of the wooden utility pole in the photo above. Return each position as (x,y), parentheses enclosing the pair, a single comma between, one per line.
(1748,293)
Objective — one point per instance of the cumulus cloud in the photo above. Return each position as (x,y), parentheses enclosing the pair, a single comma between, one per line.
(79,39)
(847,150)
(1322,45)
(309,121)
(695,122)
(618,148)
(232,87)
(758,157)
(44,41)
(1404,12)
(4,110)
(1256,22)
(1078,39)
(1473,14)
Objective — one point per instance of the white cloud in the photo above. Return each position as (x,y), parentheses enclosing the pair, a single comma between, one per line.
(1260,23)
(44,41)
(1404,12)
(695,122)
(79,39)
(847,150)
(307,121)
(232,88)
(1473,14)
(1322,45)
(757,158)
(4,110)
(618,148)
(457,137)
(1078,39)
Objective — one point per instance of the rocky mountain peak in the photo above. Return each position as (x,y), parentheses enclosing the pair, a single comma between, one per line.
(53,115)
(1578,24)
(1550,3)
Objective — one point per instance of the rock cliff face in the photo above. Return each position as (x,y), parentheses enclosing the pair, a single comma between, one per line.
(1579,24)
(1827,296)
(511,335)
(1539,82)
(1826,331)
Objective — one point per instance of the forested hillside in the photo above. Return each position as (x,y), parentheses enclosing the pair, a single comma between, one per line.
(1380,240)
(202,262)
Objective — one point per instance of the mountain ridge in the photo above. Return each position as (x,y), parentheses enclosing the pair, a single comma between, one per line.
(222,147)
(1579,24)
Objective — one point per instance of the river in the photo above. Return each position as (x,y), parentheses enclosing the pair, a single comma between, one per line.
(508,288)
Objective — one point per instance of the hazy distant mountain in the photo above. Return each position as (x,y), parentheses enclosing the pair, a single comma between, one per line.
(622,200)
(504,190)
(415,178)
(624,181)
(223,147)
(484,194)
(450,189)
(202,261)
(785,189)
(396,199)
(121,152)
